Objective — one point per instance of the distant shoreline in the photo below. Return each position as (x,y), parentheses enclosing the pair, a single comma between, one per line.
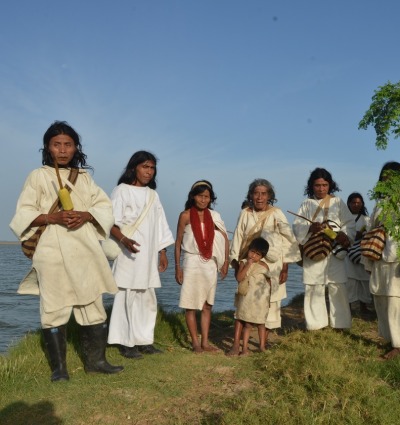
(9,242)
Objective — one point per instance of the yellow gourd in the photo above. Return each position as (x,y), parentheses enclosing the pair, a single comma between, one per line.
(330,233)
(65,199)
(63,193)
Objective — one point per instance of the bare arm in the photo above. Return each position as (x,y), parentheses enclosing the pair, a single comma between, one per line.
(224,268)
(163,261)
(184,219)
(243,269)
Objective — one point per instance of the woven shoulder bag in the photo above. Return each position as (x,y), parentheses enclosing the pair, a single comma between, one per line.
(373,243)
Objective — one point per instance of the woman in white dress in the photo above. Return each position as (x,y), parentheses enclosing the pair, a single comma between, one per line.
(136,269)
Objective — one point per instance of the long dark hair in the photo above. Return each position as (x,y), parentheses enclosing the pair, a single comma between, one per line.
(129,174)
(320,173)
(199,187)
(356,195)
(252,188)
(62,127)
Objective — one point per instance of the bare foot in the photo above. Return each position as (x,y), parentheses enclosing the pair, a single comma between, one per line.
(209,348)
(392,354)
(197,349)
(234,351)
(245,353)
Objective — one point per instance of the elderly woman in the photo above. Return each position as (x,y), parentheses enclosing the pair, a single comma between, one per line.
(259,218)
(319,207)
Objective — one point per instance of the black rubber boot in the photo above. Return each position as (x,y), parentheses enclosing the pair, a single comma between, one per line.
(55,341)
(94,341)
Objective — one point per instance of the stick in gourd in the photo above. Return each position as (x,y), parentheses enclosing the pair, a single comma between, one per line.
(328,231)
(63,193)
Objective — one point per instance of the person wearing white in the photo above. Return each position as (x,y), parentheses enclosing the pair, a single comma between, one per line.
(201,236)
(136,269)
(329,272)
(261,219)
(385,282)
(69,269)
(358,277)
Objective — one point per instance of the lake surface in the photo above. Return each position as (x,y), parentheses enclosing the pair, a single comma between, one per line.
(20,313)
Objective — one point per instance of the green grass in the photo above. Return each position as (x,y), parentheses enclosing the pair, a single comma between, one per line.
(321,377)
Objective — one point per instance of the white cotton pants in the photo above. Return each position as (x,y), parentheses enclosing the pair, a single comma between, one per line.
(85,315)
(274,319)
(388,312)
(358,290)
(315,308)
(133,317)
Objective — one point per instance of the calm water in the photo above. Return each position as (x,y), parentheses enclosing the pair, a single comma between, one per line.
(20,313)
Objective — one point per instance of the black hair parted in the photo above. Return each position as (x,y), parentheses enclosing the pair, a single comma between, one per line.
(356,195)
(62,127)
(129,174)
(199,187)
(320,173)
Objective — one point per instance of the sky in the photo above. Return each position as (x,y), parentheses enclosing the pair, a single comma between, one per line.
(223,90)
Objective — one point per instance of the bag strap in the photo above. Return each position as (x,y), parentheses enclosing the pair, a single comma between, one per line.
(131,228)
(262,218)
(325,205)
(73,176)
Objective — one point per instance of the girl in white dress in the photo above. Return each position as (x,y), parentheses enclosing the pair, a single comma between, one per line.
(201,235)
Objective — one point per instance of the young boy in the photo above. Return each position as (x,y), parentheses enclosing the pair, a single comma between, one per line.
(253,296)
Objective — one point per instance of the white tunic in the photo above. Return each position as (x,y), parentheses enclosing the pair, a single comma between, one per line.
(69,267)
(385,273)
(330,269)
(140,270)
(283,247)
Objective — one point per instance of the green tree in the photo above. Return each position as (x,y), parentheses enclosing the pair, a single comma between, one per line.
(384,114)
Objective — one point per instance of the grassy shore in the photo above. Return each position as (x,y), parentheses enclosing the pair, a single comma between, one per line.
(321,377)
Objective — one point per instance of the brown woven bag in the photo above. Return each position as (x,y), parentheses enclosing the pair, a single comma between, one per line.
(373,243)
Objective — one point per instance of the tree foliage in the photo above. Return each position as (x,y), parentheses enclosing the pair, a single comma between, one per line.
(384,114)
